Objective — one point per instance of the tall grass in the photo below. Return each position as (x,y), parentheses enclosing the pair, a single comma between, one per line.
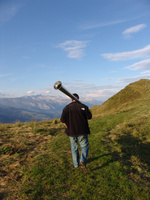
(118,162)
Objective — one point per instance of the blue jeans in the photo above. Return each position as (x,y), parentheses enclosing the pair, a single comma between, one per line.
(84,144)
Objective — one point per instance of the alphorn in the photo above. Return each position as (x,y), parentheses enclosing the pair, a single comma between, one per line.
(58,86)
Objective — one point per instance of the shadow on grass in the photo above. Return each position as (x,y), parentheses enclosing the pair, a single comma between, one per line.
(133,153)
(3,195)
(97,157)
(114,157)
(135,146)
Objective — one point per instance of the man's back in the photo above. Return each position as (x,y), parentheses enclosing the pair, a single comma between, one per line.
(75,116)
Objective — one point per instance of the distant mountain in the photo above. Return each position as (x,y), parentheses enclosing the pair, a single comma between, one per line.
(134,95)
(11,115)
(36,108)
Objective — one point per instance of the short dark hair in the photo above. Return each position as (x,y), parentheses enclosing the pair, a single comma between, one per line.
(76,95)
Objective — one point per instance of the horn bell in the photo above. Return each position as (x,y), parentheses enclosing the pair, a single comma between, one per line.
(58,86)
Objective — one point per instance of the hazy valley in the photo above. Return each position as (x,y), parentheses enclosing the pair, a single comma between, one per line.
(38,108)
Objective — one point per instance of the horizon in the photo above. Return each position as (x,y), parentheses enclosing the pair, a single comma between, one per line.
(63,96)
(95,48)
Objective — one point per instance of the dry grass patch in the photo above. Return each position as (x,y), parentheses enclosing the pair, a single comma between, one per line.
(19,144)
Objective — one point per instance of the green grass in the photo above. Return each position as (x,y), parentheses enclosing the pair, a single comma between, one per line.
(36,161)
(111,174)
(118,162)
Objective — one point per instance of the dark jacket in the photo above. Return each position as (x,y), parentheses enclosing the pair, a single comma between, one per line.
(75,115)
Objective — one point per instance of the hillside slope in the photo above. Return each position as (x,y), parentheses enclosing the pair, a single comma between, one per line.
(36,161)
(134,95)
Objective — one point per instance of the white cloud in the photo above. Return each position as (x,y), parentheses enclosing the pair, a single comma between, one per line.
(74,48)
(47,92)
(101,92)
(104,24)
(44,91)
(140,53)
(8,9)
(133,29)
(146,72)
(6,94)
(107,79)
(142,65)
(132,79)
(31,92)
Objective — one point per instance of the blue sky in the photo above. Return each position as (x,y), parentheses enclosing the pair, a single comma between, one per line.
(95,47)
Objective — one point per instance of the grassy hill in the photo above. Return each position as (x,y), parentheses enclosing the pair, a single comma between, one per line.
(134,95)
(36,163)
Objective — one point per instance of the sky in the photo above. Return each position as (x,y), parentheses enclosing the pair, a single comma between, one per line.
(94,47)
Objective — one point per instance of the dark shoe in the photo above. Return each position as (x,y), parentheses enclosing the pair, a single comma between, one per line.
(83,166)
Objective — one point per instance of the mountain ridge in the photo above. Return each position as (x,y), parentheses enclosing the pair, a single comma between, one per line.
(132,95)
(38,108)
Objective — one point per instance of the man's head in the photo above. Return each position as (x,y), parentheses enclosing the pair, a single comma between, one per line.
(76,95)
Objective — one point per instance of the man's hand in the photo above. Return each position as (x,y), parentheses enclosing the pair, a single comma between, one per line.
(65,125)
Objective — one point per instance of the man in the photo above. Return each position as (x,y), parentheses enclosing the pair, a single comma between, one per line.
(75,117)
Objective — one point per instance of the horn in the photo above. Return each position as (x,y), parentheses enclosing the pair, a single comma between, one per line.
(58,86)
